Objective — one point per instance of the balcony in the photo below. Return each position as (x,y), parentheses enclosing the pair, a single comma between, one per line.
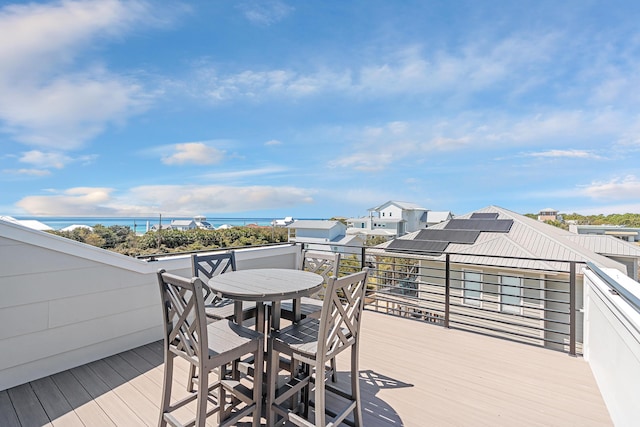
(412,374)
(83,343)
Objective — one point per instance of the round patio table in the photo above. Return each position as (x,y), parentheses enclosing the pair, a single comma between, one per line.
(264,285)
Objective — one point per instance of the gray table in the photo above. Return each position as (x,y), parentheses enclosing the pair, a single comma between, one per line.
(264,285)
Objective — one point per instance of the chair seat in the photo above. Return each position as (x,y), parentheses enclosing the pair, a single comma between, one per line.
(223,309)
(226,336)
(309,307)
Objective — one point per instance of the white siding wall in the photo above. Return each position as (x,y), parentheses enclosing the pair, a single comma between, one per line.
(65,304)
(612,346)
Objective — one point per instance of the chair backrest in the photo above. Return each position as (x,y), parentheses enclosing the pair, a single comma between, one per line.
(341,313)
(183,313)
(325,264)
(207,266)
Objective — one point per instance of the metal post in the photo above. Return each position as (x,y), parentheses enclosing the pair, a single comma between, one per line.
(572,308)
(362,262)
(447,290)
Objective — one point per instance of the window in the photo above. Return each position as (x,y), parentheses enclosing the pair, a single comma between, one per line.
(472,288)
(510,294)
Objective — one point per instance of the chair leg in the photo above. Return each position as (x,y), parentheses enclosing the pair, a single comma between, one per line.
(355,386)
(201,407)
(192,375)
(334,371)
(257,384)
(273,366)
(167,382)
(319,395)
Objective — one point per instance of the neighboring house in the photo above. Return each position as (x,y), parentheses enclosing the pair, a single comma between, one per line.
(183,224)
(201,222)
(30,223)
(549,214)
(282,222)
(505,263)
(322,234)
(394,219)
(629,234)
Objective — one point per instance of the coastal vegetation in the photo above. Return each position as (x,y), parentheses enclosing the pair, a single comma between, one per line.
(123,240)
(625,220)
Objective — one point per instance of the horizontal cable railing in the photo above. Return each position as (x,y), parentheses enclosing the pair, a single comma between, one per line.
(523,303)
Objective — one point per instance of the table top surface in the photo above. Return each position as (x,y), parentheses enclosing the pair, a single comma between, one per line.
(265,284)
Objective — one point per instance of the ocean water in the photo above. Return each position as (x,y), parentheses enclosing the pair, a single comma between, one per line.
(139,224)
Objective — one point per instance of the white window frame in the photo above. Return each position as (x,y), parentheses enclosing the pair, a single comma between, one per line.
(476,282)
(510,308)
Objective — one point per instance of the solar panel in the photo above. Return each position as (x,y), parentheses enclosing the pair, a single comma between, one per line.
(451,236)
(491,225)
(484,215)
(417,245)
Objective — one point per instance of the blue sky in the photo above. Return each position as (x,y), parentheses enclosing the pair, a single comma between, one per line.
(316,109)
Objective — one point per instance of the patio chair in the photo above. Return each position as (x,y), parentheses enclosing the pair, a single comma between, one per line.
(207,346)
(313,342)
(216,308)
(325,264)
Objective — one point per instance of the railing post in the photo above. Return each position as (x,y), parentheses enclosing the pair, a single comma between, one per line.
(447,290)
(362,253)
(572,308)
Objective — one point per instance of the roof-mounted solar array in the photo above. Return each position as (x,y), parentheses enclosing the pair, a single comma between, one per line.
(420,245)
(450,236)
(484,215)
(490,225)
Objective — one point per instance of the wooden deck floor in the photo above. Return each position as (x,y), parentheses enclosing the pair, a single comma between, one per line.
(412,374)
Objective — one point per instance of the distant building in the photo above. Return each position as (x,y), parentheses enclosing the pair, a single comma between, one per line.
(282,222)
(29,223)
(324,235)
(393,219)
(628,234)
(549,214)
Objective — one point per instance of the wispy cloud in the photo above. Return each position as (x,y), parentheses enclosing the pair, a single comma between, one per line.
(222,176)
(273,143)
(619,188)
(265,12)
(170,200)
(194,153)
(28,172)
(43,102)
(578,154)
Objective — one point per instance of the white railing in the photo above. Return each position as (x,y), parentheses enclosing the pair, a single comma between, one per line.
(612,340)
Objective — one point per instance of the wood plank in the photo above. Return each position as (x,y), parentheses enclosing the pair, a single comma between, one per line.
(27,406)
(55,404)
(118,410)
(81,401)
(8,416)
(144,408)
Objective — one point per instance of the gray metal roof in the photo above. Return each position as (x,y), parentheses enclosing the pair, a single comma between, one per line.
(315,224)
(527,238)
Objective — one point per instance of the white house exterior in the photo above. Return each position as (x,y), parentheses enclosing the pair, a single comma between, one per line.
(394,219)
(629,234)
(512,270)
(322,234)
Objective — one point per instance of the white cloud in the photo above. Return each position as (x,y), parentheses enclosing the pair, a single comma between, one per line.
(28,172)
(168,199)
(580,154)
(45,160)
(194,152)
(272,143)
(265,12)
(74,201)
(43,102)
(221,176)
(621,188)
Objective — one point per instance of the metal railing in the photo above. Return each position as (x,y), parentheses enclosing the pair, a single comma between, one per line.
(529,300)
(534,303)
